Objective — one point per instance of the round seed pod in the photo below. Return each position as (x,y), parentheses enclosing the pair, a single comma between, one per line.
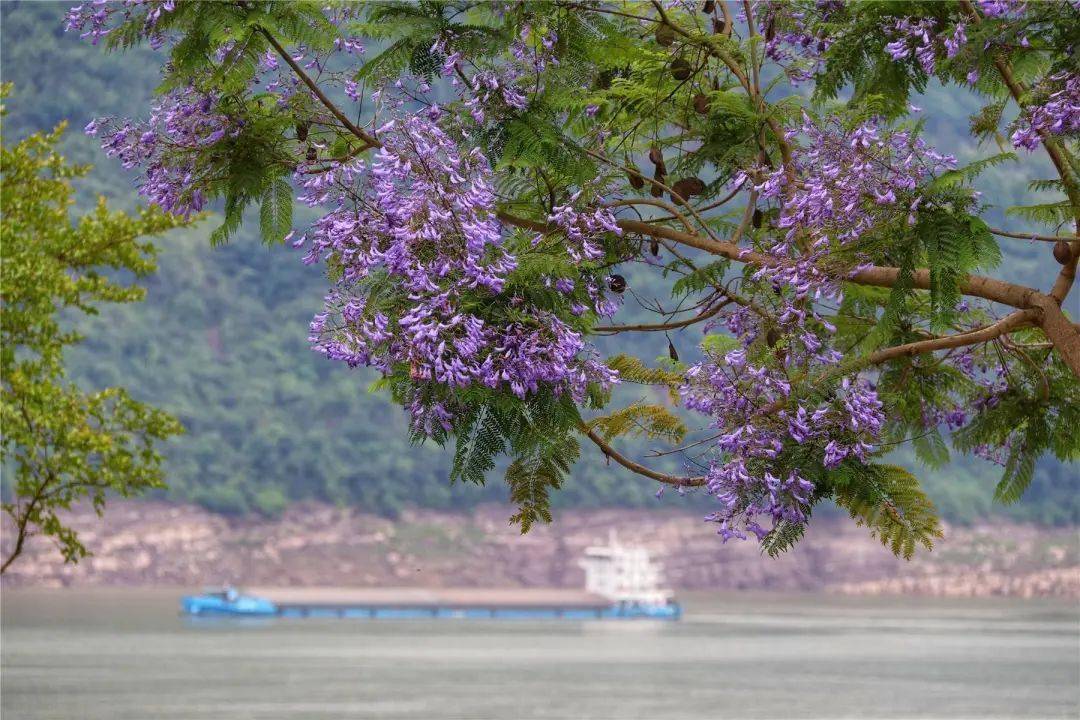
(617,283)
(680,69)
(756,220)
(665,35)
(655,156)
(656,191)
(719,26)
(708,7)
(1062,252)
(636,181)
(302,131)
(772,336)
(701,104)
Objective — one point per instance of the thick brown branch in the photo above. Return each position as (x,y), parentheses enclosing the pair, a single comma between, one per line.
(1007,324)
(1057,327)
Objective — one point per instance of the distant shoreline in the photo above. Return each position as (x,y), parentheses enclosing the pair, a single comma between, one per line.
(151,543)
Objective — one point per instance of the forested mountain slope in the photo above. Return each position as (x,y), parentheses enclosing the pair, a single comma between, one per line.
(221,338)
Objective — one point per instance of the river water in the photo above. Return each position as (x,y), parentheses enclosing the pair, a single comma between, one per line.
(120,655)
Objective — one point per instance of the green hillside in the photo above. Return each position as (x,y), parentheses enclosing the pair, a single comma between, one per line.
(221,339)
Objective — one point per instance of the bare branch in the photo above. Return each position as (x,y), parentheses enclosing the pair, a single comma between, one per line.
(638,467)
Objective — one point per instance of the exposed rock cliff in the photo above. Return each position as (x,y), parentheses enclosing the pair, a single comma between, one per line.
(151,543)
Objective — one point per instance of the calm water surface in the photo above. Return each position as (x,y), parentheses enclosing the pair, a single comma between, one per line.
(117,655)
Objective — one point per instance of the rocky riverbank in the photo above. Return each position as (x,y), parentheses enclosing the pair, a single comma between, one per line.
(153,543)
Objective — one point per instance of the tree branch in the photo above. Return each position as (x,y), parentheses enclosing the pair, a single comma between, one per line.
(638,467)
(1031,236)
(661,327)
(369,140)
(1013,321)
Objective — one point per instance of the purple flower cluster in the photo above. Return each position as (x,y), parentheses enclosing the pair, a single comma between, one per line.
(1058,115)
(498,88)
(96,19)
(1008,9)
(800,51)
(582,228)
(919,38)
(846,183)
(426,218)
(748,477)
(846,180)
(167,145)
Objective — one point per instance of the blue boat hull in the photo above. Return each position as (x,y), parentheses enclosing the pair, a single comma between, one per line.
(245,605)
(250,606)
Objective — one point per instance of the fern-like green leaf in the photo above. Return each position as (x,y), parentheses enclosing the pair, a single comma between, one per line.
(653,421)
(275,214)
(888,500)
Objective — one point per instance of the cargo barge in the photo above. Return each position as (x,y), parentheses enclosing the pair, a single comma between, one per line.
(620,583)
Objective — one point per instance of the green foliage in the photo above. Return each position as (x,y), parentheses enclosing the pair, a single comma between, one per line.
(224,499)
(890,502)
(640,419)
(1038,415)
(275,215)
(269,501)
(61,444)
(479,442)
(782,538)
(631,369)
(535,473)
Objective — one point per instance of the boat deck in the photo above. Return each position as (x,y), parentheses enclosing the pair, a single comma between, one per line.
(432,598)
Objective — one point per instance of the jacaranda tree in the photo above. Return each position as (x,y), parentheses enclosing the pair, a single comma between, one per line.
(483,171)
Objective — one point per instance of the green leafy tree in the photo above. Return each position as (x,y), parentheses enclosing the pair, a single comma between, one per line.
(61,444)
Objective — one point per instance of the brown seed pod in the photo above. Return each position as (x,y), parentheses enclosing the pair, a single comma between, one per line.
(636,181)
(312,154)
(654,247)
(756,220)
(1062,252)
(617,283)
(772,336)
(701,104)
(708,7)
(665,35)
(302,131)
(718,26)
(655,156)
(680,69)
(687,188)
(672,352)
(770,30)
(660,176)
